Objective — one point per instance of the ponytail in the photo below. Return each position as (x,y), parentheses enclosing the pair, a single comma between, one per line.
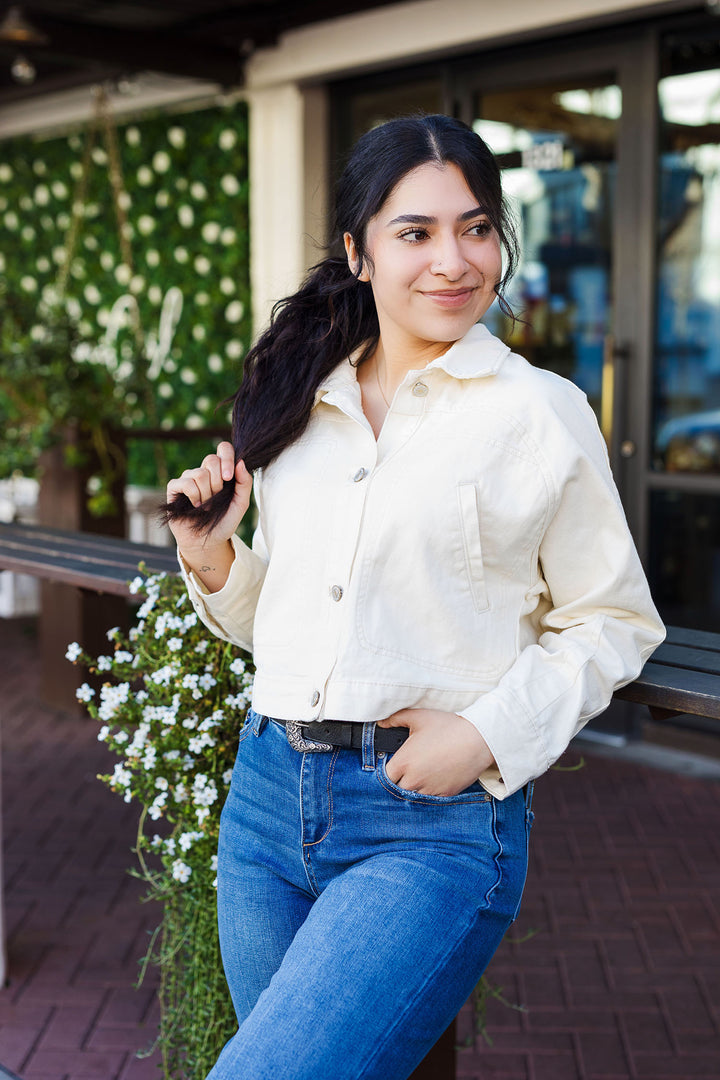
(310,333)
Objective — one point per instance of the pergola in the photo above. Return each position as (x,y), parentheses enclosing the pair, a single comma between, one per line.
(69,43)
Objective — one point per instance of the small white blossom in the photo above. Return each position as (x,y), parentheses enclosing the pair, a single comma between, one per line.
(234,311)
(121,777)
(132,136)
(198,190)
(145,176)
(176,137)
(234,349)
(227,286)
(227,139)
(230,184)
(186,217)
(103,733)
(170,845)
(238,666)
(85,692)
(161,783)
(112,633)
(73,651)
(202,646)
(175,644)
(228,236)
(181,871)
(161,161)
(123,657)
(104,663)
(210,232)
(227,776)
(122,737)
(186,841)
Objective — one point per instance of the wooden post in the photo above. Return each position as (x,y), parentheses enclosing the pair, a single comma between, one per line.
(66,612)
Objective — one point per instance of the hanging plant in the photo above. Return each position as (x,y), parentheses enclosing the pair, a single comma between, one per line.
(170,709)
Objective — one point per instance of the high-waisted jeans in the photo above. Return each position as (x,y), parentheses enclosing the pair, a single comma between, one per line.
(355,916)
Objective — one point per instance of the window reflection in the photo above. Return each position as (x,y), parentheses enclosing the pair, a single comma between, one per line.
(684,563)
(687,361)
(556,147)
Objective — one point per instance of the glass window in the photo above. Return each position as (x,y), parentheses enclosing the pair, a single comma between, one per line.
(684,558)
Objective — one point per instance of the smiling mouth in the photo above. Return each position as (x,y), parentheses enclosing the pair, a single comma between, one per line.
(450,297)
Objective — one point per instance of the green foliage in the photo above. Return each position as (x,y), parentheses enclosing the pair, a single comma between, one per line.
(186,205)
(170,711)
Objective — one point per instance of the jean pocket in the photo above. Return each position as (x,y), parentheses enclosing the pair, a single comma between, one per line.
(474,794)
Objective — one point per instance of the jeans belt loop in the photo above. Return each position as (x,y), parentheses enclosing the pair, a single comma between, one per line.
(368,746)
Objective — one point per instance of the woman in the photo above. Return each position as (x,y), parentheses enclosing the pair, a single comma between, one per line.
(441,590)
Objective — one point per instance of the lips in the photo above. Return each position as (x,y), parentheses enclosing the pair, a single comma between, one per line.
(450,298)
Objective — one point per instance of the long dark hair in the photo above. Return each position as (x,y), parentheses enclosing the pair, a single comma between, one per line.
(333,313)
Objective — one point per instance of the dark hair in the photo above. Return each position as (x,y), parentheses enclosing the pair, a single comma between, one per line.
(333,313)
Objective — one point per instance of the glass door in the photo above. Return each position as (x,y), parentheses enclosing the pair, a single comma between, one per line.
(556,144)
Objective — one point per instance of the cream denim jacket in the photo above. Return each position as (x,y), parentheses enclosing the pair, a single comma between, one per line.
(475,558)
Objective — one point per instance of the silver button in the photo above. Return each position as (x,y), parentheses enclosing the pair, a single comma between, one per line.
(360,475)
(315,698)
(419,389)
(336,592)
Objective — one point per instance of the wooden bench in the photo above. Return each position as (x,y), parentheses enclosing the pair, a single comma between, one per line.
(682,678)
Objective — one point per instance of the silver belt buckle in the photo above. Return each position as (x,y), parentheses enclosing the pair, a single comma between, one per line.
(300,743)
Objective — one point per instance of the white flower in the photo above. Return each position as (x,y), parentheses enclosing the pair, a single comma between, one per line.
(186,841)
(92,294)
(234,349)
(170,845)
(228,236)
(186,217)
(76,170)
(176,137)
(202,646)
(227,776)
(29,284)
(154,294)
(145,176)
(214,362)
(137,284)
(122,737)
(188,376)
(181,254)
(6,173)
(107,261)
(198,191)
(210,232)
(132,136)
(103,733)
(227,139)
(104,663)
(161,161)
(162,199)
(227,286)
(175,644)
(207,681)
(42,195)
(99,156)
(202,298)
(181,871)
(123,657)
(165,390)
(85,693)
(91,243)
(111,698)
(161,783)
(194,422)
(112,633)
(234,311)
(27,233)
(121,777)
(229,184)
(145,224)
(164,675)
(202,265)
(73,652)
(152,258)
(238,666)
(136,585)
(59,189)
(123,274)
(199,332)
(180,795)
(149,761)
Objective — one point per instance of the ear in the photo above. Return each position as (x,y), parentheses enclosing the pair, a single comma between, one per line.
(357,267)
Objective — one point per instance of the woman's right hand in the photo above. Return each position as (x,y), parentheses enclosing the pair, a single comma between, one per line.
(210,553)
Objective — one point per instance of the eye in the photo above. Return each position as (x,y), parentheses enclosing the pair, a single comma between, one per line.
(480,228)
(413,236)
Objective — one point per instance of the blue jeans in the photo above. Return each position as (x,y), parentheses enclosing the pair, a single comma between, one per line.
(355,916)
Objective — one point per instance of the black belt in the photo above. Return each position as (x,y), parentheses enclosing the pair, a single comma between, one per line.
(348,734)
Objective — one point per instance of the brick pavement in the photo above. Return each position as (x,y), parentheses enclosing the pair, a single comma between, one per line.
(620,978)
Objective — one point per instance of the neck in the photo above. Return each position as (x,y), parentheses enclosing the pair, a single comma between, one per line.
(392,364)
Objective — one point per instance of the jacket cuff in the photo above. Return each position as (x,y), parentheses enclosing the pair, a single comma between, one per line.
(247,570)
(513,740)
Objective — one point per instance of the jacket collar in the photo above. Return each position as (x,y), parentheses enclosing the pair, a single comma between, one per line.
(475,356)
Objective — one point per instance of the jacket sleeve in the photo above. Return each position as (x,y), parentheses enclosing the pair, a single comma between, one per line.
(597,630)
(230,612)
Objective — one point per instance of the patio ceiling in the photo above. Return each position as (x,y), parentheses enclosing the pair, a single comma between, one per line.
(82,41)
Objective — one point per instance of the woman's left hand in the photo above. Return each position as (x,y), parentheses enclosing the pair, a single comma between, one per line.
(443,754)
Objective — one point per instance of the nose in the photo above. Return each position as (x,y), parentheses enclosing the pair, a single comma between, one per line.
(448,259)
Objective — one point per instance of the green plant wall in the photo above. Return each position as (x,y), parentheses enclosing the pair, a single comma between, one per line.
(186,208)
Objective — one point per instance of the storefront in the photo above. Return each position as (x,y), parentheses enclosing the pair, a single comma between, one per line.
(609,141)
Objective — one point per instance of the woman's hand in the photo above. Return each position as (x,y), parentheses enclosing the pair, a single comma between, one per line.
(443,755)
(210,554)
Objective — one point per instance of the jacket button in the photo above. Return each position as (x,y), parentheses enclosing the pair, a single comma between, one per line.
(420,389)
(315,698)
(336,592)
(360,475)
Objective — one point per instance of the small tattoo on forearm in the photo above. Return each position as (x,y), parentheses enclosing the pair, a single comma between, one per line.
(206,569)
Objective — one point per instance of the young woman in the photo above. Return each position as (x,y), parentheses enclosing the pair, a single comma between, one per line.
(441,590)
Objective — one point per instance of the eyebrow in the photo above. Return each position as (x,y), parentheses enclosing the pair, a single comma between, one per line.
(422,219)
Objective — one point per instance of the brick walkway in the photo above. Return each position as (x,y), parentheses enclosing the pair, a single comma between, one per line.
(620,980)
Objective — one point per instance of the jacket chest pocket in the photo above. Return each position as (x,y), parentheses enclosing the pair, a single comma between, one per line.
(469,510)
